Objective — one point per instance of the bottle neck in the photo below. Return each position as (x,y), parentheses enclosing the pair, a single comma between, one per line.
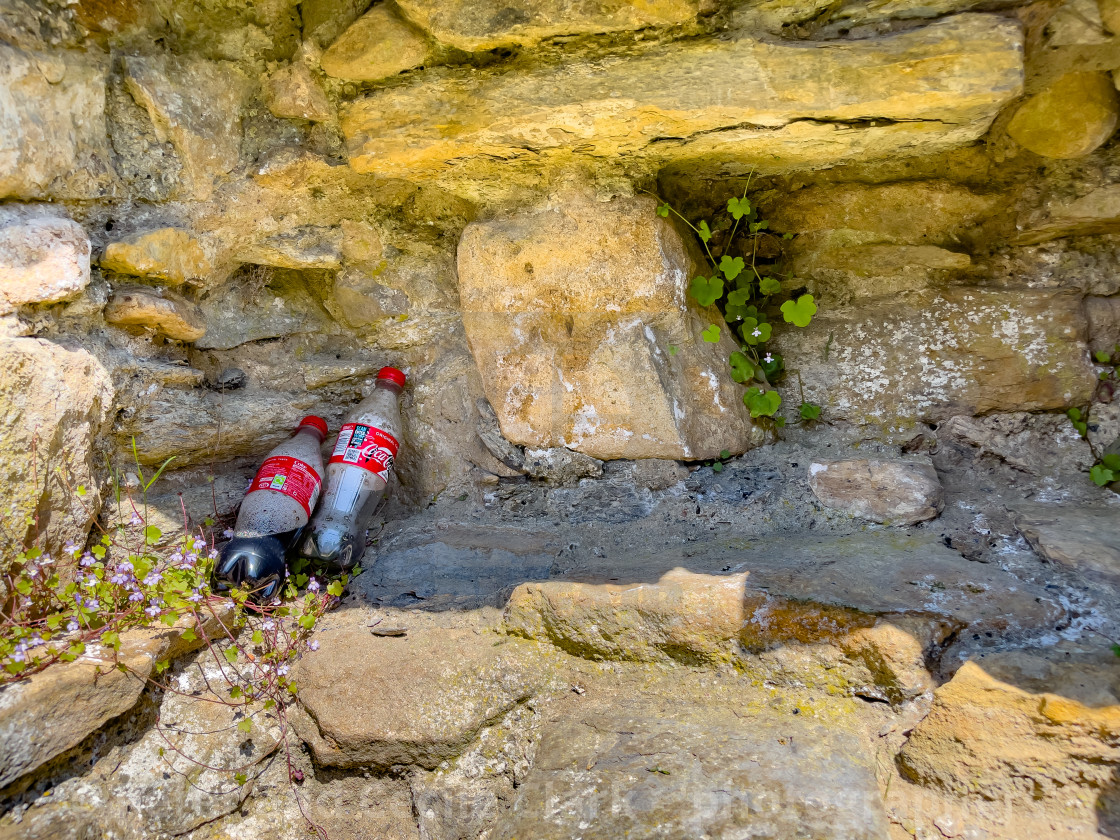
(389,385)
(314,433)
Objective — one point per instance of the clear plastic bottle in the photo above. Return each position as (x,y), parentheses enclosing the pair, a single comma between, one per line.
(357,476)
(277,506)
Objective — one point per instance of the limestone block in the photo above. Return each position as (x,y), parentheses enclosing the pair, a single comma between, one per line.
(690,617)
(471,25)
(293,93)
(889,492)
(199,427)
(196,105)
(307,247)
(164,312)
(170,254)
(42,259)
(778,106)
(908,213)
(1070,119)
(932,354)
(432,690)
(359,300)
(378,45)
(1104,323)
(1095,212)
(1083,537)
(572,329)
(244,311)
(53,138)
(670,759)
(991,739)
(54,402)
(50,712)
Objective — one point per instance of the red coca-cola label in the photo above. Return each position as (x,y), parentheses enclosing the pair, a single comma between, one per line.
(366,447)
(291,477)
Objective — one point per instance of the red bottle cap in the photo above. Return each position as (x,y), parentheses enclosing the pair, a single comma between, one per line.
(317,423)
(392,374)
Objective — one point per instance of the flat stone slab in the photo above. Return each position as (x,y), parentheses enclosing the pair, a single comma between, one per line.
(454,566)
(1083,538)
(668,763)
(878,573)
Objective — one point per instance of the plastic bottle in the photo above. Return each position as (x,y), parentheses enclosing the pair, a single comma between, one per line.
(357,476)
(277,506)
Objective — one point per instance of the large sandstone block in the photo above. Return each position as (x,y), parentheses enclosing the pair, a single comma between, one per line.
(53,403)
(170,254)
(472,25)
(1069,119)
(195,104)
(571,312)
(53,140)
(930,355)
(774,107)
(378,45)
(155,309)
(42,259)
(993,739)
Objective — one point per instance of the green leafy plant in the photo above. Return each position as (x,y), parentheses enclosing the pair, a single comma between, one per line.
(1106,469)
(746,289)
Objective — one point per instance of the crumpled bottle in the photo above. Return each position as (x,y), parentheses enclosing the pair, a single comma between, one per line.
(275,510)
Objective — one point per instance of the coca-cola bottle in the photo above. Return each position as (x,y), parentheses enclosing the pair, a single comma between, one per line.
(357,476)
(277,506)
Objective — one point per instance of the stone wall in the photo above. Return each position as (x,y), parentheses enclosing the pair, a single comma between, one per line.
(219,216)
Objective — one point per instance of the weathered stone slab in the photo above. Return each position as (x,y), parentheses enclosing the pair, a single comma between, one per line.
(776,107)
(301,248)
(53,140)
(378,45)
(686,764)
(1104,323)
(199,427)
(889,492)
(1070,119)
(683,616)
(196,104)
(54,402)
(42,259)
(491,24)
(929,355)
(435,688)
(987,738)
(170,254)
(155,309)
(572,335)
(1079,537)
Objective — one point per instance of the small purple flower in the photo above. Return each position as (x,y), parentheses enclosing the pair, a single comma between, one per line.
(136,520)
(87,560)
(177,557)
(19,655)
(768,358)
(228,533)
(152,611)
(120,580)
(125,568)
(756,332)
(72,626)
(313,644)
(213,554)
(93,605)
(70,549)
(194,597)
(136,595)
(153,578)
(192,558)
(313,585)
(282,670)
(33,572)
(35,641)
(269,625)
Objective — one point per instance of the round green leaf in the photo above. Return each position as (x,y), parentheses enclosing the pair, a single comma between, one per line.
(711,334)
(738,207)
(706,290)
(770,286)
(762,403)
(731,267)
(742,368)
(799,312)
